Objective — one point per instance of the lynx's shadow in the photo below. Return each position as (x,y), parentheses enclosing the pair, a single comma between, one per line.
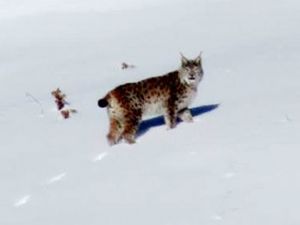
(158,121)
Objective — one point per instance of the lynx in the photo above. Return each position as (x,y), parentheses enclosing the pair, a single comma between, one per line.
(169,94)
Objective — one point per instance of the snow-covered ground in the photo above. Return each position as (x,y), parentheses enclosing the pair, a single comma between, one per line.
(237,164)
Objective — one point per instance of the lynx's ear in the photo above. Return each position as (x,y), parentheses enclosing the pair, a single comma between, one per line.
(198,59)
(184,60)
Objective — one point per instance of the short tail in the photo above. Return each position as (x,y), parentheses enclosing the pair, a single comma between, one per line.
(102,103)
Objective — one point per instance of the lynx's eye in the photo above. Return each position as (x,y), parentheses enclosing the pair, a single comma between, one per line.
(189,70)
(195,64)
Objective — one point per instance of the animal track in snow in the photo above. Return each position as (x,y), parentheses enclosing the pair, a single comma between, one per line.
(56,178)
(217,218)
(22,201)
(193,153)
(285,119)
(100,157)
(26,198)
(229,175)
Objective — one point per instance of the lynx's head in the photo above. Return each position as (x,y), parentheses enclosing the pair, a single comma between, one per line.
(191,71)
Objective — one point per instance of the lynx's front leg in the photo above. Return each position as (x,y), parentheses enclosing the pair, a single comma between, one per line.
(170,115)
(185,115)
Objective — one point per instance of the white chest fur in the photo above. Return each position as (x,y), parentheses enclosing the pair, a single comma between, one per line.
(159,106)
(188,98)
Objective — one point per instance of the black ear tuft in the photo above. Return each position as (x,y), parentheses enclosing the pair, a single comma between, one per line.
(198,59)
(102,103)
(184,60)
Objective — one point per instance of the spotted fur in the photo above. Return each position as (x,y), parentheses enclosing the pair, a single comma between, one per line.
(170,95)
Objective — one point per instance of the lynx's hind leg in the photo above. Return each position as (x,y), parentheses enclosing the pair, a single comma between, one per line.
(185,115)
(116,121)
(115,131)
(131,124)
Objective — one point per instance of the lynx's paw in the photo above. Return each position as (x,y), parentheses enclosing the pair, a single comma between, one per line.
(170,125)
(186,116)
(112,139)
(129,138)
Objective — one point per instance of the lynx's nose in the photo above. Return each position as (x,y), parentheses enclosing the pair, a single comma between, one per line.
(192,76)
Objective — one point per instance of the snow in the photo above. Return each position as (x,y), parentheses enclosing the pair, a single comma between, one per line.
(237,163)
(22,201)
(56,178)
